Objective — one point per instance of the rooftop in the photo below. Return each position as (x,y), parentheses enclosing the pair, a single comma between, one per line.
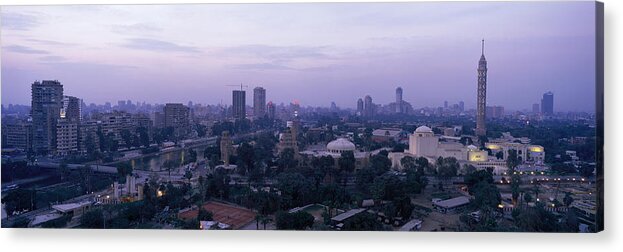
(64,208)
(454,202)
(410,225)
(343,216)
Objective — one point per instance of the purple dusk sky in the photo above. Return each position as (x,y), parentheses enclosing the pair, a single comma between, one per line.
(314,53)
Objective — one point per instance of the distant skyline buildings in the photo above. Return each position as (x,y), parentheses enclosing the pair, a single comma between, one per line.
(259,101)
(421,46)
(239,106)
(177,116)
(547,104)
(368,106)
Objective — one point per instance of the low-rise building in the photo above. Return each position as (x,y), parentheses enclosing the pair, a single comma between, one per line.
(451,205)
(337,222)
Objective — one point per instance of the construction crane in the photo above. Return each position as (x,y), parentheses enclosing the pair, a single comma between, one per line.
(237,86)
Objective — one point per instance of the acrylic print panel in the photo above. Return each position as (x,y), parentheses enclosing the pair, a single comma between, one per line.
(436,116)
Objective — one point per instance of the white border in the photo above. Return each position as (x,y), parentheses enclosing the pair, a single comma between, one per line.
(160,240)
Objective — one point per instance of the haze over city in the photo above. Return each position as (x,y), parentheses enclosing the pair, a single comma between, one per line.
(314,53)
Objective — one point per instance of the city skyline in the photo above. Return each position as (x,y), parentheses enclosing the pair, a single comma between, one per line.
(433,60)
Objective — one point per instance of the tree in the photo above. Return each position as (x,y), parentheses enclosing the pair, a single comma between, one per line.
(126,136)
(586,170)
(169,165)
(204,215)
(265,221)
(188,175)
(113,145)
(474,178)
(93,219)
(143,136)
(380,163)
(408,163)
(19,200)
(246,155)
(363,222)
(535,219)
(124,169)
(63,170)
(346,163)
(295,189)
(536,191)
(512,161)
(527,198)
(192,156)
(294,221)
(404,207)
(86,172)
(388,187)
(486,196)
(415,173)
(468,169)
(287,159)
(447,168)
(364,178)
(567,199)
(422,164)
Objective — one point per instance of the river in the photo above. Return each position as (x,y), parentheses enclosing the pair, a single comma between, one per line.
(155,162)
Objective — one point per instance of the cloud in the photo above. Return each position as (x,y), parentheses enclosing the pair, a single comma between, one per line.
(262,66)
(50,42)
(135,28)
(24,49)
(87,67)
(18,21)
(52,58)
(158,46)
(281,53)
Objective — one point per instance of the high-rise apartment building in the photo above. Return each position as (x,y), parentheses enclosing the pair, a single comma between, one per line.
(46,104)
(177,115)
(259,101)
(239,104)
(72,109)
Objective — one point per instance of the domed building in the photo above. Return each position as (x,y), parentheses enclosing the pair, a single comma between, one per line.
(335,149)
(341,145)
(424,143)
